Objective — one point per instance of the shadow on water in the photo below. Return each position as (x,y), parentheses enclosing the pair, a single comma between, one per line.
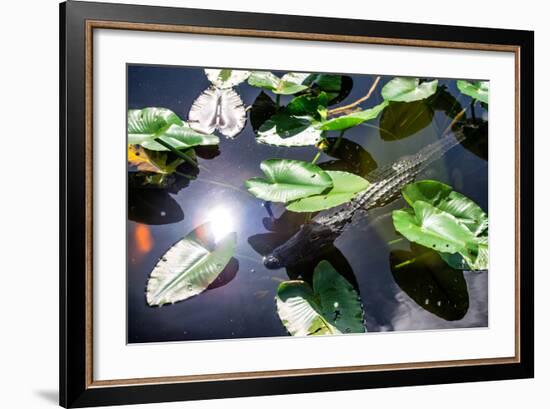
(430,282)
(151,206)
(350,157)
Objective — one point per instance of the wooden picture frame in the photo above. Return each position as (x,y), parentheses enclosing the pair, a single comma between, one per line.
(78,20)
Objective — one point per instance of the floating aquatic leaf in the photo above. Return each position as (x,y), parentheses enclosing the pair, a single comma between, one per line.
(402,89)
(434,228)
(350,120)
(288,180)
(226,78)
(402,119)
(446,199)
(289,84)
(478,89)
(143,160)
(218,109)
(189,266)
(446,221)
(146,125)
(337,87)
(345,187)
(283,129)
(307,105)
(332,306)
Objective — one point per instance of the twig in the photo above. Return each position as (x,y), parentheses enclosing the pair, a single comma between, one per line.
(354,104)
(316,156)
(454,121)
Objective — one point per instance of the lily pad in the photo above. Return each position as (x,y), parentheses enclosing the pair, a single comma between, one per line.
(287,130)
(347,121)
(345,187)
(287,180)
(289,84)
(477,90)
(225,78)
(331,307)
(146,125)
(446,221)
(446,199)
(189,266)
(337,87)
(143,160)
(307,105)
(404,89)
(218,109)
(434,228)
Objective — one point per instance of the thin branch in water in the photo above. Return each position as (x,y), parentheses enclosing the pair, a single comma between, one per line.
(354,104)
(454,121)
(317,156)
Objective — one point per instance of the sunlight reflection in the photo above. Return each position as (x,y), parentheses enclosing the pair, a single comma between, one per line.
(222,222)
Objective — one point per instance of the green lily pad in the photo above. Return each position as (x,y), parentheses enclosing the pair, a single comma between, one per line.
(289,84)
(337,87)
(345,187)
(307,105)
(478,89)
(446,221)
(404,89)
(433,228)
(146,125)
(347,121)
(331,307)
(283,129)
(189,266)
(226,78)
(287,180)
(446,199)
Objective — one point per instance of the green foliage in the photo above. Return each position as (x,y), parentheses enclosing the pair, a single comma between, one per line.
(478,90)
(404,89)
(283,129)
(445,221)
(308,105)
(347,121)
(226,78)
(146,126)
(287,180)
(332,306)
(289,84)
(345,187)
(189,266)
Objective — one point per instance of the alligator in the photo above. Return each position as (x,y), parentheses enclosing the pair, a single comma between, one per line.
(386,183)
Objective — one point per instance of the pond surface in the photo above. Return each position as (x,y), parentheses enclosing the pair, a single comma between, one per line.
(240,303)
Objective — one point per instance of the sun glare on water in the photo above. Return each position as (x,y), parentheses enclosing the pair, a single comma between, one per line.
(222,222)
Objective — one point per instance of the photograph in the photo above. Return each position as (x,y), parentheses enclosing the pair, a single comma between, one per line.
(282,203)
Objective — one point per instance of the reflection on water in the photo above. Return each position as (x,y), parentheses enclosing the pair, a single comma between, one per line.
(240,302)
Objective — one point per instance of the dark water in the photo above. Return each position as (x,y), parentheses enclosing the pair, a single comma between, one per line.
(240,303)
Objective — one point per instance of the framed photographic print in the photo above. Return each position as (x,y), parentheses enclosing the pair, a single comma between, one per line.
(257,204)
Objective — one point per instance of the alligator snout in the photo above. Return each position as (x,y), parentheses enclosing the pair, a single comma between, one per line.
(272,262)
